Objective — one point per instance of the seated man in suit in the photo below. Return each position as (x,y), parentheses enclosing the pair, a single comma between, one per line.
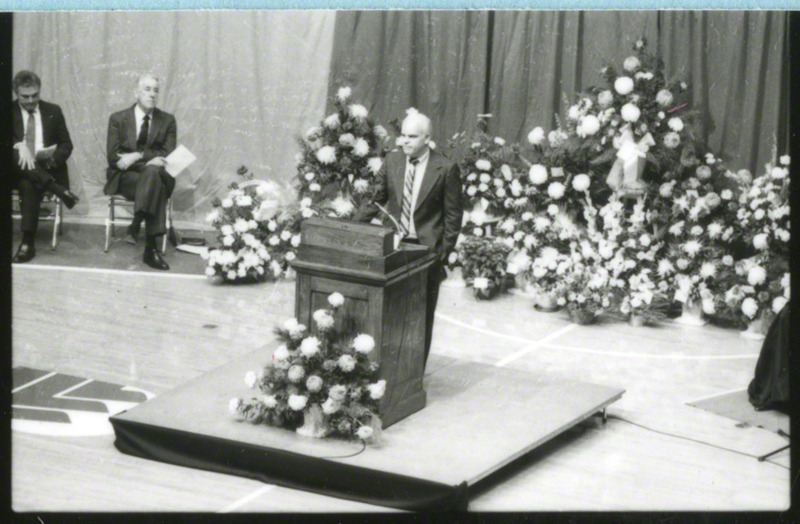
(139,139)
(421,189)
(41,149)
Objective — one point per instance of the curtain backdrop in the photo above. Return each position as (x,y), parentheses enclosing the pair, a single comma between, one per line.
(735,60)
(241,84)
(432,60)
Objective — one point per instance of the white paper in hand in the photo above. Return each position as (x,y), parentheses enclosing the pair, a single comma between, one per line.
(179,160)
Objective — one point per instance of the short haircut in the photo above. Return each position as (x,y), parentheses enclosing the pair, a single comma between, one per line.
(26,78)
(146,75)
(421,119)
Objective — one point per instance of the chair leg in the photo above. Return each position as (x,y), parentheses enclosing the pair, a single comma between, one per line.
(169,226)
(108,225)
(56,226)
(111,213)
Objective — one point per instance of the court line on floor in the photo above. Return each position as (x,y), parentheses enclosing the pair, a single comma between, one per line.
(533,345)
(544,342)
(167,274)
(247,498)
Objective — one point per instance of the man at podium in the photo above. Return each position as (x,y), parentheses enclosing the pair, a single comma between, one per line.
(421,189)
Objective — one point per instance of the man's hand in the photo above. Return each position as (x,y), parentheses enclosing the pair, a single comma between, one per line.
(159,161)
(126,160)
(26,159)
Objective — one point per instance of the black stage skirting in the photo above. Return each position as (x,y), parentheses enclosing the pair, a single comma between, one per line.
(478,419)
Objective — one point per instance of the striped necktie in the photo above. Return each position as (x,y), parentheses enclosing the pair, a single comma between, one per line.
(408,192)
(30,133)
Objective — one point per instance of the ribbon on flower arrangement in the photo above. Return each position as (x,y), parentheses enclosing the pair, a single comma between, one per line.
(625,176)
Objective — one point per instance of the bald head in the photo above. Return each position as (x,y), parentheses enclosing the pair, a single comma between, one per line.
(415,134)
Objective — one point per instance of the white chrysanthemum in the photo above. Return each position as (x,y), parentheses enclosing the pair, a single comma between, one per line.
(250,379)
(756,275)
(361,147)
(665,267)
(676,124)
(536,136)
(377,390)
(581,182)
(347,139)
(552,210)
(630,112)
(631,64)
(336,299)
(483,164)
(623,85)
(779,172)
(556,190)
(227,202)
(337,392)
(342,206)
(692,247)
(480,283)
(749,307)
(499,141)
(326,154)
(296,373)
(605,98)
(323,318)
(346,363)
(588,126)
(331,121)
(761,241)
(358,111)
(664,98)
(556,138)
(537,174)
(708,270)
(485,178)
(505,170)
(213,216)
(672,140)
(785,160)
(234,405)
(343,93)
(282,353)
(294,328)
(298,402)
(314,383)
(573,112)
(375,163)
(363,343)
(330,406)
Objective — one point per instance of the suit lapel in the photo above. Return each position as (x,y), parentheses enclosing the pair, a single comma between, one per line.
(429,178)
(398,174)
(19,130)
(131,128)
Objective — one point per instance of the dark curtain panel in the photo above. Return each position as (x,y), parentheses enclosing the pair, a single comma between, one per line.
(736,64)
(518,65)
(434,61)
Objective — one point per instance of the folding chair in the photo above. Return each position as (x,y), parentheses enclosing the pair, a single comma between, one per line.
(111,220)
(55,216)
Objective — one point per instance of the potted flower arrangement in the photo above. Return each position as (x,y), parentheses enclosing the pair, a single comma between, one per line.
(241,220)
(761,282)
(484,265)
(319,385)
(585,287)
(492,175)
(340,157)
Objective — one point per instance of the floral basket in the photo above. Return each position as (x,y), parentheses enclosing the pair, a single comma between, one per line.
(318,385)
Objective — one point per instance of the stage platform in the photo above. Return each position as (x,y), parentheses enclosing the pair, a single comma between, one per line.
(478,419)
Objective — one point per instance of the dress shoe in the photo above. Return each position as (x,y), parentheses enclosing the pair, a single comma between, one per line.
(25,253)
(130,236)
(153,259)
(70,199)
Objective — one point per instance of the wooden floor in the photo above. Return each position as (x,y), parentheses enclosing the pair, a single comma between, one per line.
(156,331)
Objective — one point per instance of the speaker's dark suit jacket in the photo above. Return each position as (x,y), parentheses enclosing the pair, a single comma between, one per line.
(161,141)
(439,208)
(54,132)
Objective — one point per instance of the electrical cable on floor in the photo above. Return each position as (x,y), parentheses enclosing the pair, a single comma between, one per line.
(360,451)
(616,417)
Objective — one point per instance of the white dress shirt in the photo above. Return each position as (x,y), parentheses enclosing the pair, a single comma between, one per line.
(419,174)
(37,117)
(139,114)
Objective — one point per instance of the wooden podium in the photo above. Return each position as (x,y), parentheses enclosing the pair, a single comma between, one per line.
(385,292)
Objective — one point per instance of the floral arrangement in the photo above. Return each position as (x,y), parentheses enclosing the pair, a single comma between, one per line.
(759,283)
(585,282)
(321,384)
(243,220)
(491,171)
(339,159)
(484,262)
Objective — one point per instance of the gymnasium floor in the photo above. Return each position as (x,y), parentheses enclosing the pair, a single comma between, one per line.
(154,331)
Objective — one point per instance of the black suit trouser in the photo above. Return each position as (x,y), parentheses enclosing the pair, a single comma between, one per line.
(149,189)
(435,277)
(32,185)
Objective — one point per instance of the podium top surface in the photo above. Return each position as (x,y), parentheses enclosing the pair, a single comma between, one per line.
(368,240)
